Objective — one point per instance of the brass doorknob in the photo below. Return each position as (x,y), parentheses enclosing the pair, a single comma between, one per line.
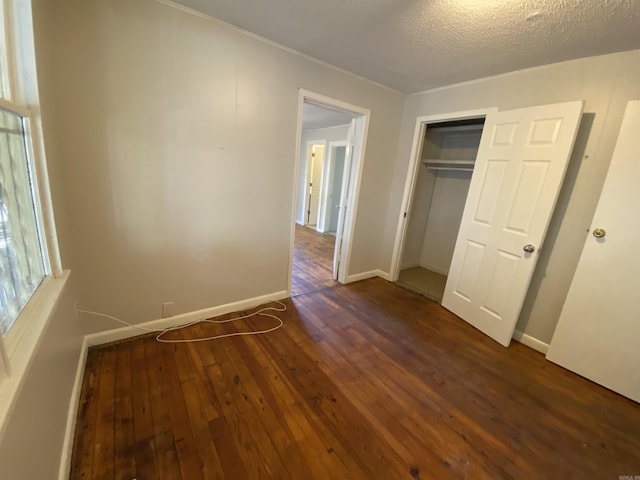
(599,232)
(529,248)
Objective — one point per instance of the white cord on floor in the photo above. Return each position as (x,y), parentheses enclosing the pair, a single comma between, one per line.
(163,331)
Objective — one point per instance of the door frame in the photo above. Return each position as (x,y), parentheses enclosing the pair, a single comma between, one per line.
(355,177)
(327,169)
(412,175)
(308,174)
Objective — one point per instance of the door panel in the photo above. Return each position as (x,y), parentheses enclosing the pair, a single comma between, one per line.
(491,187)
(345,194)
(599,328)
(521,161)
(335,189)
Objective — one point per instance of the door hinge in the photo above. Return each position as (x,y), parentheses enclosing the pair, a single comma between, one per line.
(405,215)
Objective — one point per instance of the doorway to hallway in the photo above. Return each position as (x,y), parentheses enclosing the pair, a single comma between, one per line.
(312,261)
(331,139)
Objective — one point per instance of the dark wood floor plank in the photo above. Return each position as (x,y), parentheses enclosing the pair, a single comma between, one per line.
(250,453)
(312,261)
(142,419)
(463,389)
(347,424)
(245,397)
(304,451)
(387,377)
(363,381)
(382,397)
(104,447)
(193,411)
(170,431)
(125,459)
(84,439)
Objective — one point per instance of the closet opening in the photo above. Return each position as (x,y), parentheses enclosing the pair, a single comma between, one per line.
(445,158)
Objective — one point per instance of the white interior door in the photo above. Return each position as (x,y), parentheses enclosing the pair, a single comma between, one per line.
(344,198)
(335,189)
(315,187)
(520,165)
(598,334)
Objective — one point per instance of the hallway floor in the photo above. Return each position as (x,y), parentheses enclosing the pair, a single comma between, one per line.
(312,261)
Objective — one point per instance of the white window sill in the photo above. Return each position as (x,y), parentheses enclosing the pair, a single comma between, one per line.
(23,343)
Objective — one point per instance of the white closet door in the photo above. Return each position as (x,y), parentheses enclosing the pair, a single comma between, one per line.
(598,334)
(521,162)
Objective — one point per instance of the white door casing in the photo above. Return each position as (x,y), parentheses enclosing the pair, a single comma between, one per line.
(519,169)
(598,333)
(415,163)
(354,174)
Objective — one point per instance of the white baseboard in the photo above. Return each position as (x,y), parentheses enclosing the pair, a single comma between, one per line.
(182,319)
(74,403)
(384,275)
(531,342)
(370,274)
(406,266)
(433,269)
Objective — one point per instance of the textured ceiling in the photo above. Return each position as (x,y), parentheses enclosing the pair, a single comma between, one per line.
(414,45)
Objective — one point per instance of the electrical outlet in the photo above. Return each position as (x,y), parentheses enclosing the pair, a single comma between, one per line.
(168,309)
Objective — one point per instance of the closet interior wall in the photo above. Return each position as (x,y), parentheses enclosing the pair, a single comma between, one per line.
(447,158)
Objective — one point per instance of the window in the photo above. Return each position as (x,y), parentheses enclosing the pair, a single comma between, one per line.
(33,282)
(23,265)
(29,259)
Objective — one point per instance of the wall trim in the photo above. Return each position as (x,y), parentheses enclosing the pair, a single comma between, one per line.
(531,342)
(116,334)
(370,274)
(72,414)
(409,265)
(434,269)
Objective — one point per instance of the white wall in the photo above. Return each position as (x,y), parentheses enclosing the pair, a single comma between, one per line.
(447,205)
(606,83)
(439,200)
(326,135)
(417,218)
(177,135)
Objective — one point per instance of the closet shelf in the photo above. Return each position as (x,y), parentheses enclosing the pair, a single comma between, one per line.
(459,165)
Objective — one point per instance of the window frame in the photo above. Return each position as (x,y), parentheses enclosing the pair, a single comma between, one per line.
(20,342)
(18,327)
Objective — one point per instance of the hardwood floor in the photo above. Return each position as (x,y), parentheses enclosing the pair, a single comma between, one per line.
(312,261)
(365,381)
